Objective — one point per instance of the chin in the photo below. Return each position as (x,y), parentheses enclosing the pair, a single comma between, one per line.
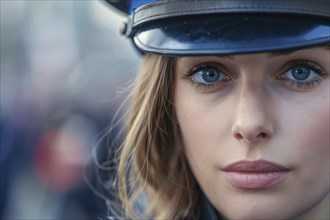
(258,215)
(256,211)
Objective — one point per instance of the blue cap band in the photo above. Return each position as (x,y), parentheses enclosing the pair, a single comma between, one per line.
(137,3)
(194,27)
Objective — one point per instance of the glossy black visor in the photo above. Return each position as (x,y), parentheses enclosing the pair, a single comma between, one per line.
(180,28)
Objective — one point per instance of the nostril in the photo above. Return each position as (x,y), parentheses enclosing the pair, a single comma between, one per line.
(252,138)
(238,136)
(262,135)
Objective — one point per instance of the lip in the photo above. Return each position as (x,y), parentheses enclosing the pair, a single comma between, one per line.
(255,175)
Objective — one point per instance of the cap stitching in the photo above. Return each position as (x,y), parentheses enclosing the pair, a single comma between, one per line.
(159,3)
(238,8)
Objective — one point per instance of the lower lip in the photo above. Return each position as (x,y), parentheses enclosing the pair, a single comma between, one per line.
(255,180)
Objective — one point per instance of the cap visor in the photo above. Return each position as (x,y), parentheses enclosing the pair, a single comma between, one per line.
(231,34)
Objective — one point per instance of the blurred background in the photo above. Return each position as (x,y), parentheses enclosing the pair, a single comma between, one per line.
(63,66)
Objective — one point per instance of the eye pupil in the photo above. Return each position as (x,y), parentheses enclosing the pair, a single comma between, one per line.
(300,73)
(211,75)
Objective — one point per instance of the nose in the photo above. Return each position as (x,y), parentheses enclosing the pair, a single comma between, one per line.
(253,120)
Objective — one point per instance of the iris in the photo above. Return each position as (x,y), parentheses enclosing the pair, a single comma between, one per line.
(300,73)
(210,75)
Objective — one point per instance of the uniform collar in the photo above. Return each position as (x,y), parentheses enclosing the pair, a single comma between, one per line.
(207,210)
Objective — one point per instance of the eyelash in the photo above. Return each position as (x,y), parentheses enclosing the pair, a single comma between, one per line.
(320,72)
(196,69)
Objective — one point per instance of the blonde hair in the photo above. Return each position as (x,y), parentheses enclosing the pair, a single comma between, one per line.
(152,161)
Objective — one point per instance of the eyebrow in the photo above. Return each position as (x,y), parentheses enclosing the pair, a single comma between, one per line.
(270,54)
(225,57)
(280,52)
(290,51)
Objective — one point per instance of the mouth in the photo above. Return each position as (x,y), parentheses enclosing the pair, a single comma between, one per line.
(255,175)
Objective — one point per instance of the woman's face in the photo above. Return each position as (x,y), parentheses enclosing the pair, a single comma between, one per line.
(255,128)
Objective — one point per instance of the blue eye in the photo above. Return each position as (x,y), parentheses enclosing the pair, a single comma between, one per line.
(300,73)
(304,74)
(207,75)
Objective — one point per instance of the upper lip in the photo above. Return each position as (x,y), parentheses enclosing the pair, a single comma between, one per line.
(255,166)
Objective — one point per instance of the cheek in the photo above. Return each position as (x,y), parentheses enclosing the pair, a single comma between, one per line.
(305,132)
(203,124)
(314,151)
(308,131)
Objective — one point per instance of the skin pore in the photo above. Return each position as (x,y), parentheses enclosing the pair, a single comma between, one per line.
(267,106)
